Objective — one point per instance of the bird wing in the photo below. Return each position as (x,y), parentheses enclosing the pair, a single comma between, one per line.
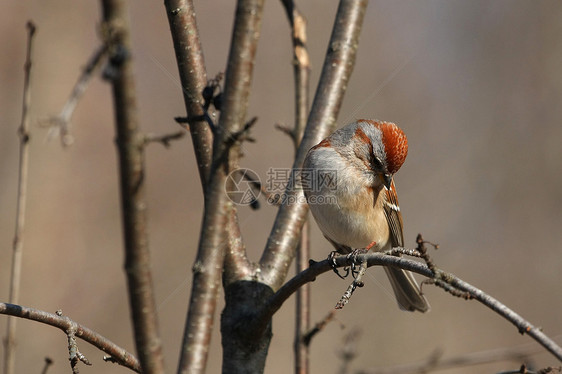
(393,217)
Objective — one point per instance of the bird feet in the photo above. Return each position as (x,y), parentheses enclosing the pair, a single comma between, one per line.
(332,258)
(350,256)
(353,257)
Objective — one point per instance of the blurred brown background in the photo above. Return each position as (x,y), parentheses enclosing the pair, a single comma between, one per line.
(476,85)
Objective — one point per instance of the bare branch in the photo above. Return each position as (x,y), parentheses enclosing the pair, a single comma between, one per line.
(120,355)
(209,261)
(301,72)
(116,31)
(338,65)
(301,64)
(349,349)
(377,258)
(17,247)
(59,125)
(193,77)
(302,323)
(165,140)
(523,326)
(319,326)
(48,363)
(219,223)
(357,282)
(436,362)
(233,122)
(74,353)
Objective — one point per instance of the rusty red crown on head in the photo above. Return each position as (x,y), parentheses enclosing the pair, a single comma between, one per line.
(395,144)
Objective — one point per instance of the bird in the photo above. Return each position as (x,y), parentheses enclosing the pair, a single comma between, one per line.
(349,187)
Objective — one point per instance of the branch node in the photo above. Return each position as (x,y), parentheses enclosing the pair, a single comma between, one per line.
(75,355)
(243,134)
(209,92)
(290,132)
(108,358)
(23,135)
(59,125)
(117,57)
(421,248)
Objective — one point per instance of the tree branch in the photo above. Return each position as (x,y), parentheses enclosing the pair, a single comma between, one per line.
(348,350)
(236,95)
(59,125)
(119,355)
(381,259)
(217,220)
(130,141)
(193,77)
(338,65)
(48,363)
(165,139)
(301,69)
(301,72)
(17,247)
(435,361)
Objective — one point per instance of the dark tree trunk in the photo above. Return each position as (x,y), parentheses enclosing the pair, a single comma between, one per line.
(245,345)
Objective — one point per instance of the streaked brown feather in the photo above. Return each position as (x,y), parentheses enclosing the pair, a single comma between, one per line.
(394,217)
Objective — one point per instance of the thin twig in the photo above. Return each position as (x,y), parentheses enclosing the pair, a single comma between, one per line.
(193,78)
(301,69)
(338,65)
(286,130)
(130,148)
(17,247)
(318,327)
(59,125)
(349,349)
(357,282)
(48,363)
(377,258)
(74,353)
(301,72)
(165,140)
(242,135)
(302,315)
(523,370)
(436,361)
(422,250)
(121,356)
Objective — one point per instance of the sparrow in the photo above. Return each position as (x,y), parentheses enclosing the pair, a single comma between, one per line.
(352,196)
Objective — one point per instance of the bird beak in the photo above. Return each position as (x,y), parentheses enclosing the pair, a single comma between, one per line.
(386,180)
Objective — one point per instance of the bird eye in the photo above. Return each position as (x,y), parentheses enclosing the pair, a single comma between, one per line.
(377,164)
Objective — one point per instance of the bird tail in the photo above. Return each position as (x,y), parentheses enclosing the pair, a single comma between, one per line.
(406,290)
